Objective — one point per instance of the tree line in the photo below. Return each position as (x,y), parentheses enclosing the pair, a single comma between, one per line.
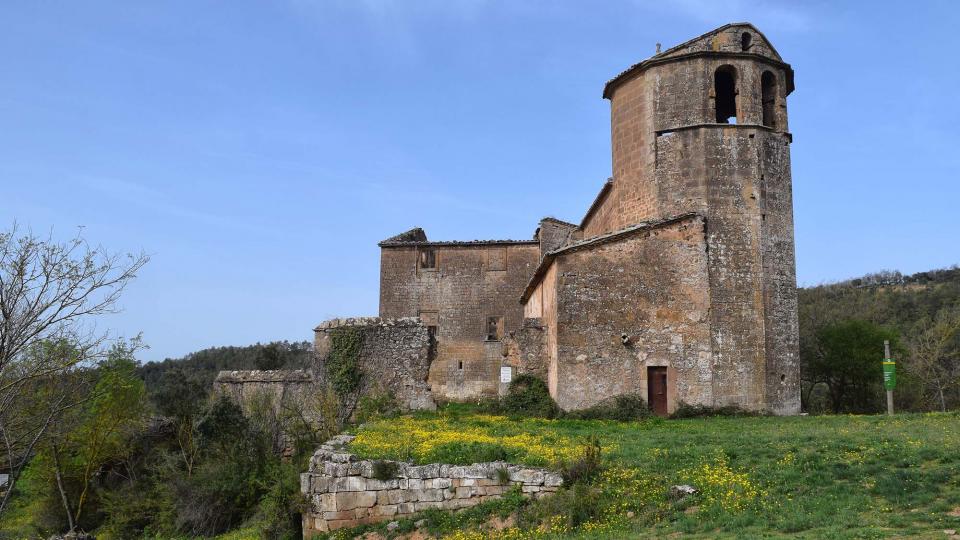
(842,330)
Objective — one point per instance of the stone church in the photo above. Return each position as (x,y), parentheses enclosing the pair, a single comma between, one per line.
(677,284)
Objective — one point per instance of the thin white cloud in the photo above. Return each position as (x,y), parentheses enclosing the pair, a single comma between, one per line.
(160,203)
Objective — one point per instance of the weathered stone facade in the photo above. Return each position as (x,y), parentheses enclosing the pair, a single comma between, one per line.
(678,283)
(343,492)
(395,357)
(464,287)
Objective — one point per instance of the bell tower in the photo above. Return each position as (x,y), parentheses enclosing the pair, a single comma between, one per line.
(702,127)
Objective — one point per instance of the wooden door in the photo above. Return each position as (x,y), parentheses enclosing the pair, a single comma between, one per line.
(657,389)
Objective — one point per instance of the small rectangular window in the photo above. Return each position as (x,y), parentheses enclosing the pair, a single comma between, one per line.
(428,259)
(497,259)
(494,328)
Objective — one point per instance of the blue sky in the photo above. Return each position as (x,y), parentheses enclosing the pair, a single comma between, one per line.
(259,150)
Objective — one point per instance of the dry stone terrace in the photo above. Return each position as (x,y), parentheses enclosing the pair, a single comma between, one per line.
(343,492)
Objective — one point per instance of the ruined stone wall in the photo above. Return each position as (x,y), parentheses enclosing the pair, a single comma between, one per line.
(652,286)
(553,234)
(524,351)
(471,282)
(275,391)
(343,492)
(395,357)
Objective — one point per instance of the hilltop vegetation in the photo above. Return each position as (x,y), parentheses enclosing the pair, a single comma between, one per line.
(842,328)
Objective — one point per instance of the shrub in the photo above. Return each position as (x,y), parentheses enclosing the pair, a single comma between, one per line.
(281,507)
(385,470)
(705,411)
(376,406)
(623,408)
(585,468)
(503,476)
(569,507)
(529,396)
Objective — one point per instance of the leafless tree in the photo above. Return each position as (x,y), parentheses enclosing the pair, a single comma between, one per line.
(51,294)
(935,356)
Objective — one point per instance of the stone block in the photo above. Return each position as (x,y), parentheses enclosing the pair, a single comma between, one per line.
(415,484)
(527,476)
(348,483)
(430,495)
(342,458)
(350,500)
(305,483)
(552,480)
(377,485)
(324,502)
(319,484)
(466,492)
(426,505)
(335,469)
(439,483)
(385,510)
(424,471)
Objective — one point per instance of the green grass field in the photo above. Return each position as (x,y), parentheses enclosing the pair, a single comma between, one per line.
(759,477)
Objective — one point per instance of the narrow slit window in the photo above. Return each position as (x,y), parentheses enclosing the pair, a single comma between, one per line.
(768,95)
(725,94)
(494,328)
(428,259)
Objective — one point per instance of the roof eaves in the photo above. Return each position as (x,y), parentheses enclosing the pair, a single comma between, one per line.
(454,243)
(597,201)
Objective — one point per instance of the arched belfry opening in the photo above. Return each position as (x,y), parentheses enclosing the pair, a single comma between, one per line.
(745,41)
(725,94)
(768,96)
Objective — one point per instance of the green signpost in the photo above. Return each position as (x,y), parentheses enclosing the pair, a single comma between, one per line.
(889,375)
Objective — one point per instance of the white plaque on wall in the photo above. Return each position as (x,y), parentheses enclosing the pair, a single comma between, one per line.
(506,374)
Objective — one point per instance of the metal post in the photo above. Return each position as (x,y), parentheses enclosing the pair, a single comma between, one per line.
(886,357)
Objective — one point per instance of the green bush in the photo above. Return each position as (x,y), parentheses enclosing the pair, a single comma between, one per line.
(376,406)
(385,470)
(281,507)
(529,396)
(623,408)
(705,411)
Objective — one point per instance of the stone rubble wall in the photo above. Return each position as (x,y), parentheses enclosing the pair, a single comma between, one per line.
(395,357)
(342,491)
(274,389)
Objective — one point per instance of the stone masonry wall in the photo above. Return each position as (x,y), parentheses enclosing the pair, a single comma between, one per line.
(469,283)
(651,287)
(395,356)
(342,491)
